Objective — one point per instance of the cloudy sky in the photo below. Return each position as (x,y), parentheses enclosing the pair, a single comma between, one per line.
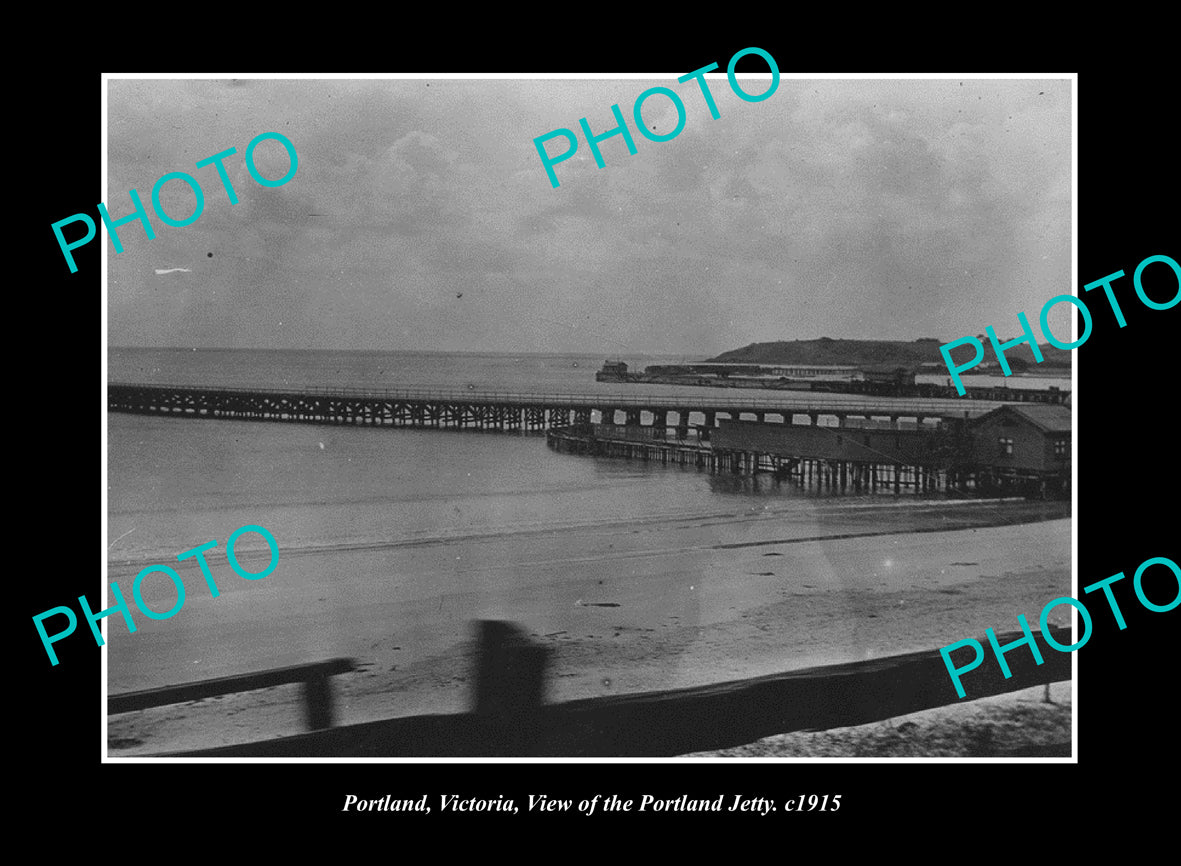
(888,209)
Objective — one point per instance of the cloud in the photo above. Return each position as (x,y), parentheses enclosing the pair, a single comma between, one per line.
(858,209)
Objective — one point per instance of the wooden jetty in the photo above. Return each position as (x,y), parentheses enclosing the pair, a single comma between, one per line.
(956,454)
(493,410)
(885,471)
(863,444)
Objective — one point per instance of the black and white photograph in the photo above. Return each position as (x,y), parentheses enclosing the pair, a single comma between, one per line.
(688,432)
(578,439)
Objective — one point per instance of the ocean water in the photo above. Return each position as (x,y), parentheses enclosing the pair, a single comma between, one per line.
(392,541)
(293,369)
(383,531)
(174,482)
(531,373)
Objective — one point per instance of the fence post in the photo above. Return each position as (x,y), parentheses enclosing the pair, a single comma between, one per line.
(317,692)
(510,687)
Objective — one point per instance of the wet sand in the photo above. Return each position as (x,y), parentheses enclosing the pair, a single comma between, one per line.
(625,608)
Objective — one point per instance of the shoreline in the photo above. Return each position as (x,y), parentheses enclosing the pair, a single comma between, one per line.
(1049,394)
(1017,724)
(662,605)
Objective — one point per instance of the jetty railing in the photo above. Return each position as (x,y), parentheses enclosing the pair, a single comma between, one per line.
(509,715)
(850,404)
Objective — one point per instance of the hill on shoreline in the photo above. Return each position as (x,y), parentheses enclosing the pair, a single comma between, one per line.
(872,352)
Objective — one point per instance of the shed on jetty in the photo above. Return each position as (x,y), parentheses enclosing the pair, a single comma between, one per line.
(855,444)
(1020,448)
(866,457)
(1029,441)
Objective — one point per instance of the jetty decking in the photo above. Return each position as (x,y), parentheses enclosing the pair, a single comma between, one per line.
(668,428)
(506,411)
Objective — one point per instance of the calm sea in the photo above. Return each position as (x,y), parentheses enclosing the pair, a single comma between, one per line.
(174,481)
(394,540)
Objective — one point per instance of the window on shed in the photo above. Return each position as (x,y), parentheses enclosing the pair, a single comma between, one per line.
(1006,446)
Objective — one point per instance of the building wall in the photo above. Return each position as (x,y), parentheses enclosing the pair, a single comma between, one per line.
(908,447)
(1055,461)
(1032,447)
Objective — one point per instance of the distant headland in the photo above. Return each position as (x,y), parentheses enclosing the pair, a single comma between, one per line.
(828,351)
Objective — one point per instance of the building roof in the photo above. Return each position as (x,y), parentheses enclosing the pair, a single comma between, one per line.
(1050,417)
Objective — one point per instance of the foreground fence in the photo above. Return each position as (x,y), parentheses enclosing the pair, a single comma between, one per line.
(317,690)
(510,718)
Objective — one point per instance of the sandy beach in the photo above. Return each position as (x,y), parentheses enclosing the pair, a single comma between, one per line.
(1032,723)
(625,607)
